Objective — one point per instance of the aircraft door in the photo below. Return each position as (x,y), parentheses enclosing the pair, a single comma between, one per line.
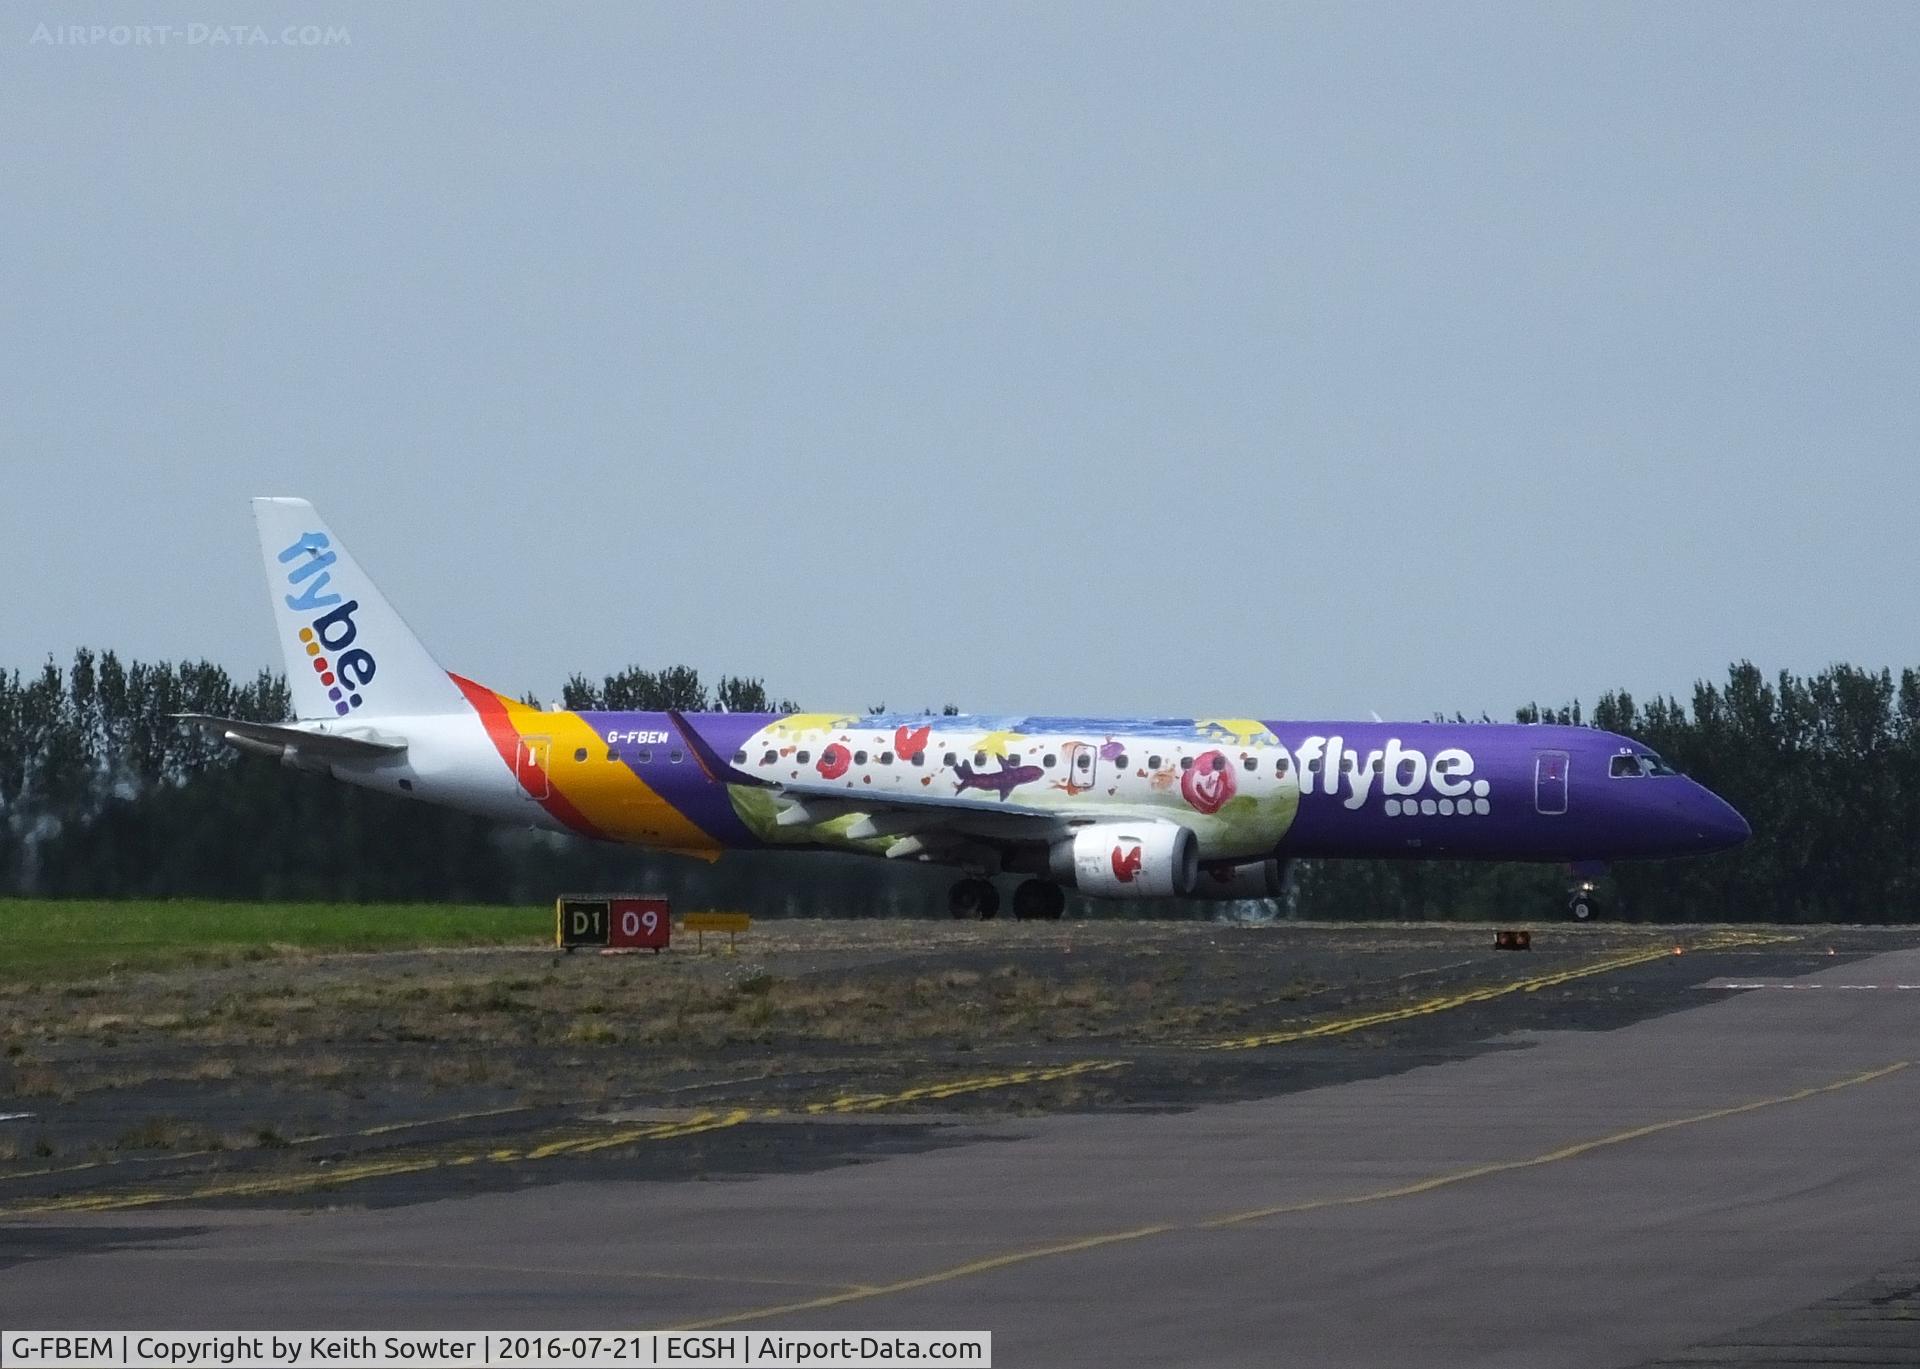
(530,766)
(1082,765)
(1550,781)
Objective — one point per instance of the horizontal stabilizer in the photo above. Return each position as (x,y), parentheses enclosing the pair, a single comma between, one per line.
(271,739)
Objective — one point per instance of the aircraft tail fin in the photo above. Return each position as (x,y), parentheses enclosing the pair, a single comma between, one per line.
(348,653)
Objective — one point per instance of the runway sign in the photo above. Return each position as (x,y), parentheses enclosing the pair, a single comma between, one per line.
(612,921)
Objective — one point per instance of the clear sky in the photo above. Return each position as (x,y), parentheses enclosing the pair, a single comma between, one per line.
(1281,359)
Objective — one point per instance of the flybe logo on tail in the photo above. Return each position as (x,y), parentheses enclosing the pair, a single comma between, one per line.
(329,635)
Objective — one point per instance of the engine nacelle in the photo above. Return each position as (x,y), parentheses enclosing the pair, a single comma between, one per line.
(1128,860)
(1249,879)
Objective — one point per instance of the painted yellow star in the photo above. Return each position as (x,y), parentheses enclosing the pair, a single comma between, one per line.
(1245,731)
(995,743)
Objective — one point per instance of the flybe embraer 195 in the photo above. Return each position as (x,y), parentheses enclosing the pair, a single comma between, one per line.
(1116,808)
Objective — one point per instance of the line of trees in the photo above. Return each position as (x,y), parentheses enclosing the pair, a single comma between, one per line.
(103,794)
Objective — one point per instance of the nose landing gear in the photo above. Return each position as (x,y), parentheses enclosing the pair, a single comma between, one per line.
(1583,904)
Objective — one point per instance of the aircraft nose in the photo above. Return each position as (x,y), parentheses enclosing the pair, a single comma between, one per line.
(1718,822)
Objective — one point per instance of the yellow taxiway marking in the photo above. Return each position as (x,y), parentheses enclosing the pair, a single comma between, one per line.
(1579,1148)
(467,1267)
(382,1130)
(336,1175)
(853,1103)
(1014,1257)
(385,1129)
(279,1184)
(953,1088)
(1484,994)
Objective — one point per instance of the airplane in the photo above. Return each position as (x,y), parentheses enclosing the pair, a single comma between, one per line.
(1115,808)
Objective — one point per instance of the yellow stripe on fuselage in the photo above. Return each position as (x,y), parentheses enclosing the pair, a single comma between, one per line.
(607,792)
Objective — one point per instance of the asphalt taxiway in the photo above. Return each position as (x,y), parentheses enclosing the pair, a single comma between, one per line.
(1693,1187)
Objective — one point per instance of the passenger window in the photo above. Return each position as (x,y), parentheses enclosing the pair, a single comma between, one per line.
(1121,760)
(1186,762)
(948,759)
(643,756)
(1219,763)
(1379,766)
(859,758)
(802,757)
(1280,765)
(919,758)
(886,758)
(739,757)
(1153,762)
(770,757)
(1083,761)
(580,753)
(613,755)
(1252,763)
(979,758)
(675,756)
(1049,760)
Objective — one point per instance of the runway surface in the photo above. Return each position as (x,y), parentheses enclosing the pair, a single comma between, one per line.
(1734,1183)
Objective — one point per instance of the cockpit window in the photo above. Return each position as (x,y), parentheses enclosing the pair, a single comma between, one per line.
(1632,765)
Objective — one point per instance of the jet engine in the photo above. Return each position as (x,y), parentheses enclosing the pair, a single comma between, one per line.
(1128,860)
(1248,879)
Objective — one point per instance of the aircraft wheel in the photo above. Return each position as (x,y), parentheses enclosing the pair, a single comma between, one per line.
(1584,907)
(973,898)
(1039,899)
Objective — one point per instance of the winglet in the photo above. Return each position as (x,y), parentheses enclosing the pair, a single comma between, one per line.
(716,769)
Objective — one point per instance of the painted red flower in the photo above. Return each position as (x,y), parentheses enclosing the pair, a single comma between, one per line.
(910,741)
(1209,783)
(834,761)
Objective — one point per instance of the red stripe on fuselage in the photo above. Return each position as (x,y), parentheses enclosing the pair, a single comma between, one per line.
(506,740)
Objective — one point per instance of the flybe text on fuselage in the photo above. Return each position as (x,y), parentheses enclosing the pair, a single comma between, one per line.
(1404,777)
(328,637)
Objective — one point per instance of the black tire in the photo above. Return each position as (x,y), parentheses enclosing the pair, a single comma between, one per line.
(1584,907)
(1039,900)
(973,898)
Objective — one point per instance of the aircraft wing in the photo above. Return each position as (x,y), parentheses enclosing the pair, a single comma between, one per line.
(870,801)
(924,825)
(274,739)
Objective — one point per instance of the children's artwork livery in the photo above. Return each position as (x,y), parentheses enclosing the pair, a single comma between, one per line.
(1201,807)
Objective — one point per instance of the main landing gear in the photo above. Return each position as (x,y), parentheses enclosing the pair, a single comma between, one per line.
(1040,899)
(1035,899)
(973,897)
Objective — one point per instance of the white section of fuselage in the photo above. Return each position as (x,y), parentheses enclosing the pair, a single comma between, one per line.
(1239,798)
(450,760)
